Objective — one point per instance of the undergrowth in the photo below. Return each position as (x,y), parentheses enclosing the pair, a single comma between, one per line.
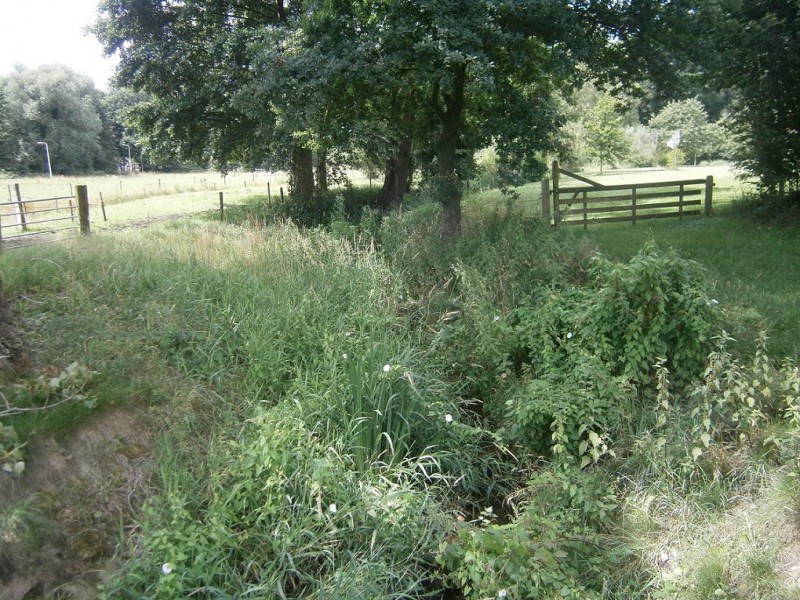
(380,415)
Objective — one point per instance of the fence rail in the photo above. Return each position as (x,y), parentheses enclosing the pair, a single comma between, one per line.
(595,202)
(22,223)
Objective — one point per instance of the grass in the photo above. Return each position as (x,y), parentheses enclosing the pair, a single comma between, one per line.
(289,462)
(752,267)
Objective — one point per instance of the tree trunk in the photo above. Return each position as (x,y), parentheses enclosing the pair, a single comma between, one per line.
(302,176)
(322,171)
(397,178)
(448,188)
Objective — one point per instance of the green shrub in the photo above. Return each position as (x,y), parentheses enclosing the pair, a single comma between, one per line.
(321,209)
(629,316)
(553,549)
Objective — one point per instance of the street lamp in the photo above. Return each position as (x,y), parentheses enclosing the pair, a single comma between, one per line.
(47,155)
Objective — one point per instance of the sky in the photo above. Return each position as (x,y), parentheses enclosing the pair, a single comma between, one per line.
(39,32)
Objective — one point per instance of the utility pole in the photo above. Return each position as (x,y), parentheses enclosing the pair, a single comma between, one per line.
(47,155)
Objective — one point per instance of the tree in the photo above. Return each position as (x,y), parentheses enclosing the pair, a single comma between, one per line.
(194,60)
(751,49)
(458,77)
(688,117)
(606,139)
(7,135)
(56,105)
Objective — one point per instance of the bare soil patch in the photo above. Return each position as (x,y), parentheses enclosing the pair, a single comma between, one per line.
(74,496)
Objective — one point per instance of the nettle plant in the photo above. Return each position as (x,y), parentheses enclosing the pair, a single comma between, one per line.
(590,352)
(733,401)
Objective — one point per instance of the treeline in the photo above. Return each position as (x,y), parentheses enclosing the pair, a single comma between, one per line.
(82,126)
(417,87)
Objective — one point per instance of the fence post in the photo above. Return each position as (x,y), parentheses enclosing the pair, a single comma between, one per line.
(546,200)
(103,207)
(556,207)
(83,209)
(709,194)
(20,209)
(221,207)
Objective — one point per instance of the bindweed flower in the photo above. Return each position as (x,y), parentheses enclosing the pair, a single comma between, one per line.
(332,508)
(387,368)
(502,593)
(344,356)
(569,335)
(167,568)
(448,418)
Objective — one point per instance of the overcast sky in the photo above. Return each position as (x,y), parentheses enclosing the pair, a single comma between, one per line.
(38,32)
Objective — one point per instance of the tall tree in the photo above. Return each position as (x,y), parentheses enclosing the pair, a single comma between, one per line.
(193,60)
(7,134)
(752,49)
(605,136)
(456,77)
(56,105)
(689,117)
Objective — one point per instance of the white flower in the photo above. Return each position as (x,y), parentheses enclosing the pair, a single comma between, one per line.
(344,356)
(496,318)
(332,508)
(569,335)
(387,368)
(167,568)
(448,418)
(502,593)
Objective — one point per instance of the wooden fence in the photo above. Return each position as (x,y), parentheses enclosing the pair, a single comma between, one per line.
(595,202)
(24,221)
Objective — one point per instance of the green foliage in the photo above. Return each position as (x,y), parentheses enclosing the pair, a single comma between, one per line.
(568,412)
(346,207)
(690,119)
(293,465)
(554,548)
(606,139)
(42,393)
(11,457)
(747,53)
(285,516)
(55,105)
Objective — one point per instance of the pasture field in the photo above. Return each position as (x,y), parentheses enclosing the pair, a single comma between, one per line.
(727,186)
(141,197)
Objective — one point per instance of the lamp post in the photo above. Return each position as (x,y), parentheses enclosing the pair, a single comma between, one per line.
(47,155)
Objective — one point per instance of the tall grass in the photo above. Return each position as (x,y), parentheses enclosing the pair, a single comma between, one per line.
(337,417)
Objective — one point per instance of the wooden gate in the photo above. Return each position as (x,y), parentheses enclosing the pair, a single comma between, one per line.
(594,202)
